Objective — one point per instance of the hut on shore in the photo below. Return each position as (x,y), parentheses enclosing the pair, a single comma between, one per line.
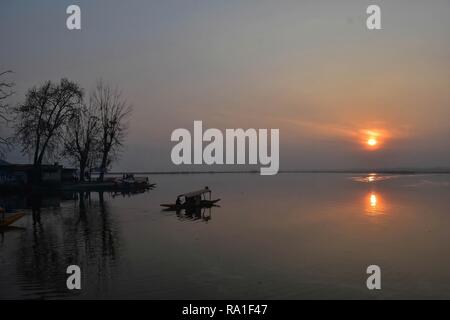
(20,175)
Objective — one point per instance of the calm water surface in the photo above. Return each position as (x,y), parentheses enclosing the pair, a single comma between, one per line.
(289,236)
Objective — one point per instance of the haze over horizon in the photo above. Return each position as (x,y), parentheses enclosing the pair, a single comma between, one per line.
(311,69)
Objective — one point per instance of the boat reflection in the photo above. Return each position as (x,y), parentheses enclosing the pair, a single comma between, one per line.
(202,214)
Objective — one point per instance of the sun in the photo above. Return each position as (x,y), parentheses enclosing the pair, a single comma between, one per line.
(372,142)
(372,139)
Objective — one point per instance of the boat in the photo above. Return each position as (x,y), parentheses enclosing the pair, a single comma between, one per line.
(129,181)
(5,221)
(192,200)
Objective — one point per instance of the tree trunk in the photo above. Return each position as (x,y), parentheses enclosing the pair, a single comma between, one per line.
(36,175)
(103,166)
(82,170)
(36,153)
(42,152)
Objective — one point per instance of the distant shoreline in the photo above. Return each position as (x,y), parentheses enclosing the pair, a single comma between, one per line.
(381,171)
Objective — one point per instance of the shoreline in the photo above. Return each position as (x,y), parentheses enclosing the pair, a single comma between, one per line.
(93,186)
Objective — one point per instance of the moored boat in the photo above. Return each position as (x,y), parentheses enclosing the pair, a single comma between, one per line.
(7,220)
(132,182)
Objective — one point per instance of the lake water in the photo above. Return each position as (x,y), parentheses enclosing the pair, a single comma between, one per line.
(290,236)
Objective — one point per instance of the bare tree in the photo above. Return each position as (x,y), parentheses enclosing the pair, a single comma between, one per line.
(82,138)
(113,113)
(5,92)
(40,122)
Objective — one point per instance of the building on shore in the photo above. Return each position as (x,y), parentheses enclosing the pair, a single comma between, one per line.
(23,175)
(69,175)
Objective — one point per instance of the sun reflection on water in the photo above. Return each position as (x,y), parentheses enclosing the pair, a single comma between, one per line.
(373,200)
(373,177)
(374,204)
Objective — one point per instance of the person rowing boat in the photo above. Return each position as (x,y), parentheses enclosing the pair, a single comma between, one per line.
(192,200)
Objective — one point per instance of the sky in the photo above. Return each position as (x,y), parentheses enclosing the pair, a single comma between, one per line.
(308,68)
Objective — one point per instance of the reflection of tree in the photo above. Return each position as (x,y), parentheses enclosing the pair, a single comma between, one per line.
(130,193)
(36,204)
(107,234)
(82,197)
(39,261)
(84,234)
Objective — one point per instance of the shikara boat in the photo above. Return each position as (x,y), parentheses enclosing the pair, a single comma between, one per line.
(196,199)
(129,181)
(7,220)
